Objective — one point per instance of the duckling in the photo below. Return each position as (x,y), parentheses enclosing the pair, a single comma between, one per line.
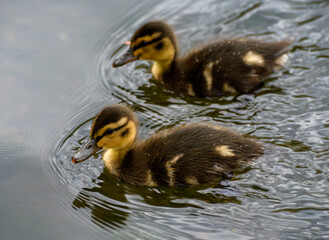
(222,67)
(182,156)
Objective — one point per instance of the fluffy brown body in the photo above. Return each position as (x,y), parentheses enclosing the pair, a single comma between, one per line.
(182,156)
(186,155)
(222,67)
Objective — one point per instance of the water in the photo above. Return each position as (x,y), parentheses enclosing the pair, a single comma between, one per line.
(56,75)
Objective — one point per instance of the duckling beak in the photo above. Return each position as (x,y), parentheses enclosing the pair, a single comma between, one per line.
(125,58)
(85,152)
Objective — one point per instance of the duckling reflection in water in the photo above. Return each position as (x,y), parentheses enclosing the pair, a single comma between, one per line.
(222,67)
(108,205)
(182,156)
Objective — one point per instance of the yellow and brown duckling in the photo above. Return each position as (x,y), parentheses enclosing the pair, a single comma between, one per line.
(218,68)
(182,156)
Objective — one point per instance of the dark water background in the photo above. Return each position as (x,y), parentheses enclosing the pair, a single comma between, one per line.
(56,74)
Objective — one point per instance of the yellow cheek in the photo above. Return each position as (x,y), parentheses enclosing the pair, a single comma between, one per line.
(146,53)
(107,142)
(165,54)
(103,142)
(138,52)
(116,140)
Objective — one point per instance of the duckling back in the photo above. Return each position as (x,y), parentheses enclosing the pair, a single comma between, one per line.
(230,66)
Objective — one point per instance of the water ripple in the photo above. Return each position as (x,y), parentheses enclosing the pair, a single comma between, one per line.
(284,194)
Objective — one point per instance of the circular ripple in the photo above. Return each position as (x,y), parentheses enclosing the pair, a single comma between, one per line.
(284,193)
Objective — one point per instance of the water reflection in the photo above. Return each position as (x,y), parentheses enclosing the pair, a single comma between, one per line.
(108,205)
(102,212)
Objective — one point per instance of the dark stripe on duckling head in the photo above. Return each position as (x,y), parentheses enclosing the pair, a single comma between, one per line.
(112,130)
(125,132)
(159,45)
(144,43)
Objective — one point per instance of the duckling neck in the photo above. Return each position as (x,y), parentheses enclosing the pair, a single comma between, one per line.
(171,75)
(160,68)
(113,159)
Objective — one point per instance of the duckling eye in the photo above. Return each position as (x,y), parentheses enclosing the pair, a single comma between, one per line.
(109,131)
(143,43)
(159,45)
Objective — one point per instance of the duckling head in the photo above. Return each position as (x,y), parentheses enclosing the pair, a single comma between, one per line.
(115,127)
(153,41)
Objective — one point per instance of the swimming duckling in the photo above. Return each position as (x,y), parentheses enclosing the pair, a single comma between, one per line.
(222,67)
(182,156)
